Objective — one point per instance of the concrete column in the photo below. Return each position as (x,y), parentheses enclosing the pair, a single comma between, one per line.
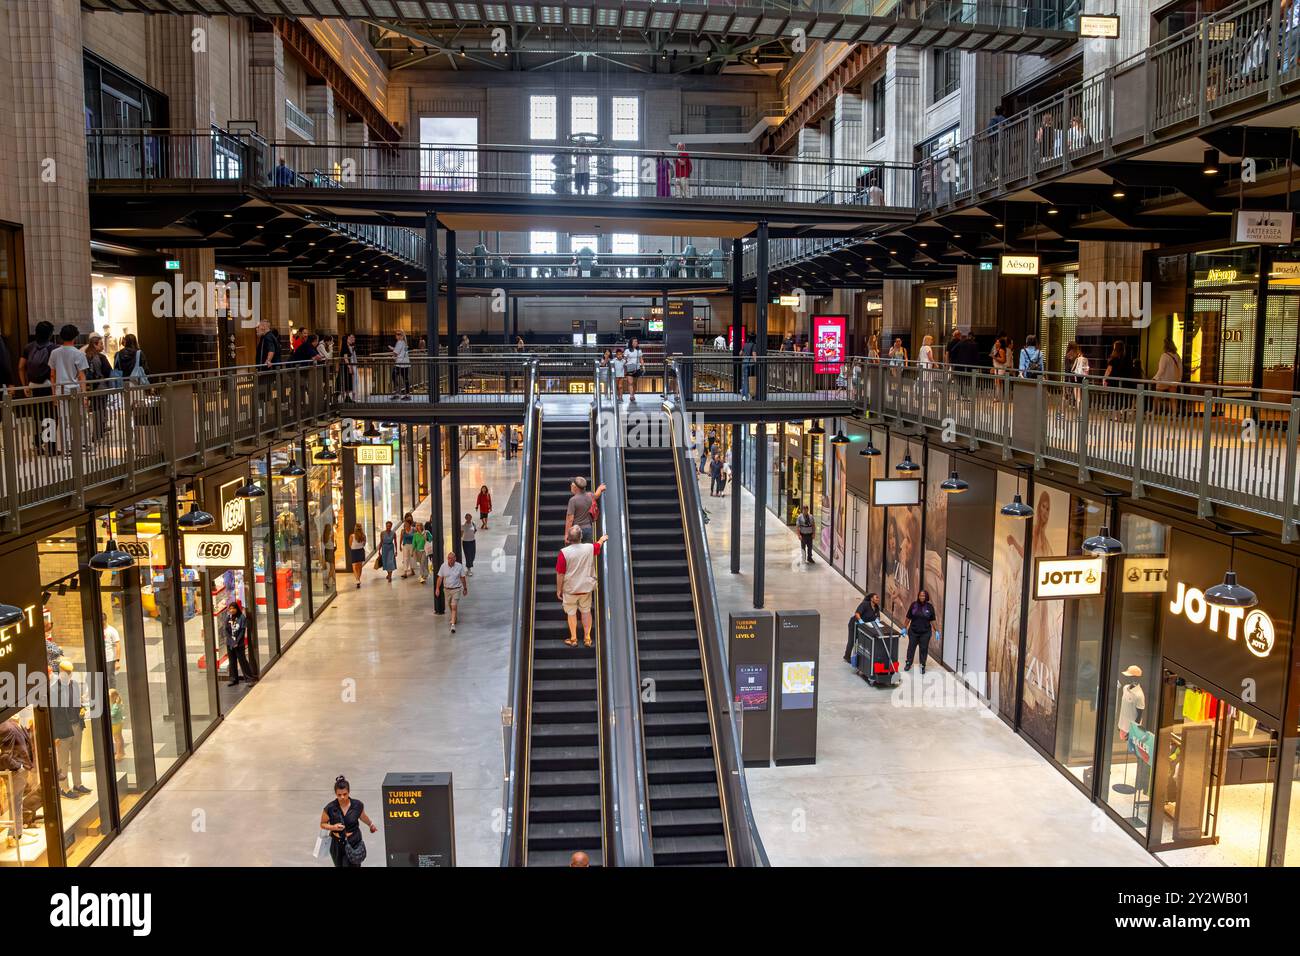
(896,316)
(809,181)
(848,141)
(1109,262)
(275,300)
(183,73)
(325,317)
(46,186)
(983,78)
(904,105)
(977,299)
(267,71)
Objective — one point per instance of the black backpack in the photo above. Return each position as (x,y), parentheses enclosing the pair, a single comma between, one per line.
(38,362)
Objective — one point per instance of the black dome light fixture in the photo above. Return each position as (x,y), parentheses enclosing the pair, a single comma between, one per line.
(1016,508)
(10,615)
(112,559)
(907,464)
(293,469)
(196,519)
(839,438)
(954,484)
(250,490)
(1230,593)
(817,429)
(1102,545)
(372,430)
(326,453)
(871,451)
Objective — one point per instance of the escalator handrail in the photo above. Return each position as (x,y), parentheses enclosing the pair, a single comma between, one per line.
(627,783)
(513,798)
(747,843)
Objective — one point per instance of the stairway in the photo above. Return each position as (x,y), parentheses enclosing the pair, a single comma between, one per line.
(564,778)
(686,823)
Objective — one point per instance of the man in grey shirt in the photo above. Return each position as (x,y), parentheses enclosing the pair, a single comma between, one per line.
(578,514)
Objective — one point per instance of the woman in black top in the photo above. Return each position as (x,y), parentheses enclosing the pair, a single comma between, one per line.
(128,356)
(343,818)
(236,631)
(868,612)
(348,367)
(920,621)
(307,351)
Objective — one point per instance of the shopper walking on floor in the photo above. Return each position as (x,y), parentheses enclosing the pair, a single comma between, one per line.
(575,579)
(715,472)
(868,612)
(453,582)
(484,504)
(806,528)
(344,817)
(467,543)
(406,540)
(420,551)
(581,504)
(920,622)
(387,560)
(357,551)
(235,629)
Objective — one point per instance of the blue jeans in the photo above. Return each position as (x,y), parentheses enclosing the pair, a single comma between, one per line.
(746,370)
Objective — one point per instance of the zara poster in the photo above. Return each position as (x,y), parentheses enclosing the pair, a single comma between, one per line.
(828,343)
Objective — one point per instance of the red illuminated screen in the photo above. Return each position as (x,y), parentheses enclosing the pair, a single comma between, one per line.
(828,343)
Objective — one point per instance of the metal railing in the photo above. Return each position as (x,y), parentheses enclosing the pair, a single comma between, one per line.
(784,376)
(712,264)
(1207,442)
(1223,65)
(57,447)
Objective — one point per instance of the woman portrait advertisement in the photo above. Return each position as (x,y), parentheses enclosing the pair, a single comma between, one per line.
(902,560)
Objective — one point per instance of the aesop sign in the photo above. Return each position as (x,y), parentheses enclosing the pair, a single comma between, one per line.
(204,550)
(1242,651)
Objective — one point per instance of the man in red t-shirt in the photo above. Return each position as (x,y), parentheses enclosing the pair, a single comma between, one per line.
(575,579)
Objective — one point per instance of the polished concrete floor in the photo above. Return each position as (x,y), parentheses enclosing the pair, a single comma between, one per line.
(377,685)
(380,685)
(904,777)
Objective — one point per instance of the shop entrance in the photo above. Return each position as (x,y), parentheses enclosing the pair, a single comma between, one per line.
(966,617)
(1215,764)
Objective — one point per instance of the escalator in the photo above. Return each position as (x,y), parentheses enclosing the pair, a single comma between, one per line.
(688,824)
(563,792)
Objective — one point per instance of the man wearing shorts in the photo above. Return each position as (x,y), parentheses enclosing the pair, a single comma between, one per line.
(632,361)
(578,513)
(453,581)
(575,579)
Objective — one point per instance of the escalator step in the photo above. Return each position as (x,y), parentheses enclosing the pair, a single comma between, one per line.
(671,722)
(667,640)
(683,746)
(673,851)
(680,770)
(580,807)
(565,735)
(684,795)
(683,659)
(676,700)
(570,835)
(563,783)
(703,821)
(564,711)
(564,758)
(566,690)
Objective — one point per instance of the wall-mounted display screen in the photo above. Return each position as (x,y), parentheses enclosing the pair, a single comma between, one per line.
(895,491)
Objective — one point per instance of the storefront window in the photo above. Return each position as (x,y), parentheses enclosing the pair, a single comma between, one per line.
(1218,342)
(1133,670)
(324,511)
(22,796)
(832,518)
(287,504)
(1008,587)
(200,676)
(77,695)
(263,642)
(902,558)
(363,497)
(142,672)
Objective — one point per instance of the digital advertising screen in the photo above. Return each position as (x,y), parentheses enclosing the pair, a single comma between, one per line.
(829,343)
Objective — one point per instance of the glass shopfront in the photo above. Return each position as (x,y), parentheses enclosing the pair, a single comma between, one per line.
(288,504)
(388,486)
(324,513)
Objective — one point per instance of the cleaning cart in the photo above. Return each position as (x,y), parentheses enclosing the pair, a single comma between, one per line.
(876,649)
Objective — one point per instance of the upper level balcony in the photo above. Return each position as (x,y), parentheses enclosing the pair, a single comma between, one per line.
(1242,63)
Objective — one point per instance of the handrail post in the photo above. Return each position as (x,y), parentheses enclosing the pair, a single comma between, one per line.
(1081,438)
(167,423)
(1040,432)
(1139,434)
(1203,509)
(232,407)
(1006,418)
(9,427)
(1202,90)
(69,409)
(131,446)
(279,401)
(1291,508)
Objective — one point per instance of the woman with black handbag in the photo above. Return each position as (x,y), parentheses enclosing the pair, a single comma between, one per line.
(343,818)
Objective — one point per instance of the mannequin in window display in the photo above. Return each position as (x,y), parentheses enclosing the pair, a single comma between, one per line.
(68,721)
(1128,728)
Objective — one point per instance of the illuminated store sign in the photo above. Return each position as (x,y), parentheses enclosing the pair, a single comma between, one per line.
(208,550)
(1099,27)
(1265,226)
(1059,578)
(1020,265)
(374,454)
(1145,575)
(1253,627)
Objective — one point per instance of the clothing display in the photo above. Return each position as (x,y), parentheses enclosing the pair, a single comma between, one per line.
(1198,705)
(1132,704)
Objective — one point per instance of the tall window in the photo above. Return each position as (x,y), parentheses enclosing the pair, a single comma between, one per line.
(578,243)
(626,244)
(542,244)
(543,173)
(542,118)
(878,109)
(583,115)
(442,164)
(945,70)
(627,119)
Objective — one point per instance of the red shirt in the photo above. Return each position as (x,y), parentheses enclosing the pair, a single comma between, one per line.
(484,502)
(562,568)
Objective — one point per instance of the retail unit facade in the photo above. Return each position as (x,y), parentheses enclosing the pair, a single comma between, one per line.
(137,657)
(1180,719)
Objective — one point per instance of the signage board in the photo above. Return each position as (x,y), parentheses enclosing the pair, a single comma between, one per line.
(791,301)
(750,653)
(419,820)
(233,509)
(173,265)
(986,265)
(829,333)
(1100,27)
(751,687)
(1020,265)
(340,302)
(1285,270)
(1067,577)
(932,302)
(22,644)
(208,549)
(395,295)
(381,454)
(1268,227)
(1145,575)
(886,492)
